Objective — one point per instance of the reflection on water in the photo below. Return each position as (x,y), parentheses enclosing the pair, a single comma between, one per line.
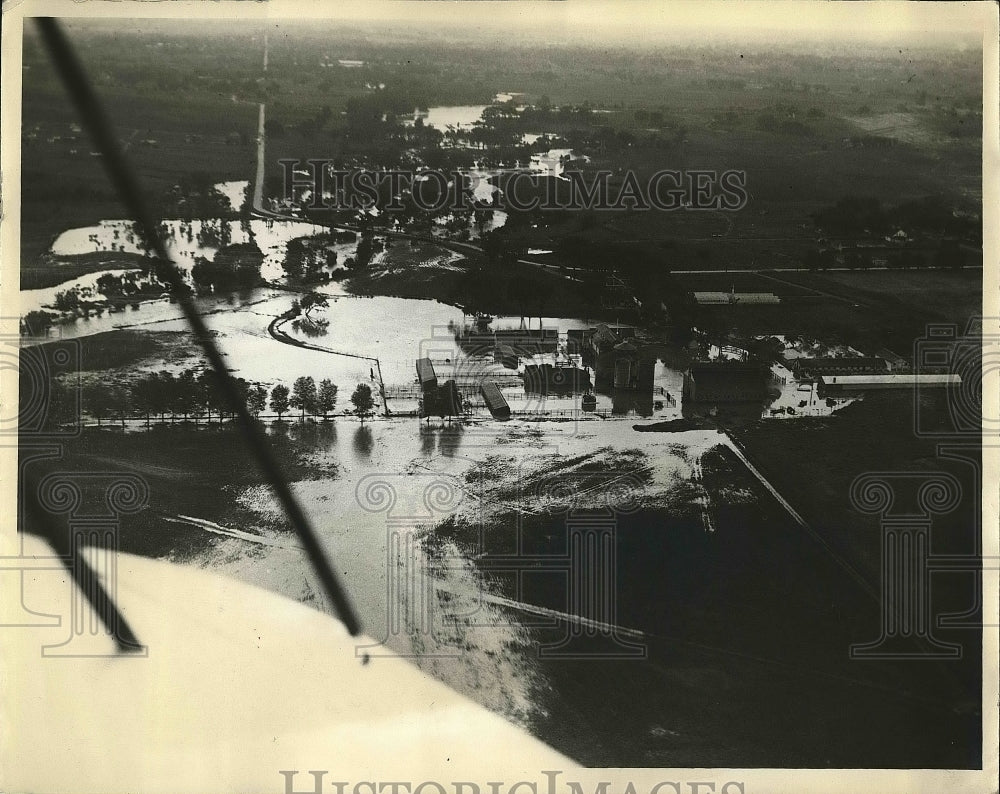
(363,442)
(312,435)
(454,116)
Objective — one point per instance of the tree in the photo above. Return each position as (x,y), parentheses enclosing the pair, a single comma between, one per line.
(99,401)
(186,396)
(109,285)
(36,323)
(327,397)
(295,259)
(256,399)
(363,253)
(146,395)
(279,400)
(362,400)
(210,395)
(166,392)
(67,300)
(304,395)
(311,300)
(121,401)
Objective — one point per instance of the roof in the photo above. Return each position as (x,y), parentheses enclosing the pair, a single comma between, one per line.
(840,364)
(425,370)
(888,355)
(491,395)
(720,298)
(604,334)
(728,367)
(847,381)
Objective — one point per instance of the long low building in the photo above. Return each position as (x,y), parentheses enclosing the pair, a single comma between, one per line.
(835,383)
(734,298)
(840,365)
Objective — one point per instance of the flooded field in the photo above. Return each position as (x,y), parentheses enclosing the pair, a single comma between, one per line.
(714,637)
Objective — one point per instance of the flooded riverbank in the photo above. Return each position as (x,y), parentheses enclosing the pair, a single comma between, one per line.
(455,543)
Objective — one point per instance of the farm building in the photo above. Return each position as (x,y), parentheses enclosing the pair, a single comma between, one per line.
(726,382)
(426,375)
(734,298)
(626,366)
(506,355)
(494,400)
(894,361)
(527,342)
(559,378)
(841,365)
(833,384)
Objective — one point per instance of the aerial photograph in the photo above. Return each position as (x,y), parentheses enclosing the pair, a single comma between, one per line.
(620,374)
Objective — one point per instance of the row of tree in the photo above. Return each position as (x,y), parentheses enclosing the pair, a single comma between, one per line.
(195,393)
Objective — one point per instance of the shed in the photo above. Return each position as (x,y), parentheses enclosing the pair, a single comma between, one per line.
(425,374)
(494,400)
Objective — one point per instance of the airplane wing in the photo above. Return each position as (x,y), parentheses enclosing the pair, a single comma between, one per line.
(236,685)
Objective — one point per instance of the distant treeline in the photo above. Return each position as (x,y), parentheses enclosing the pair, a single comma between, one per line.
(857,215)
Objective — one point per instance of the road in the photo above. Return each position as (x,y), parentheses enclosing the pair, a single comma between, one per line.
(280,336)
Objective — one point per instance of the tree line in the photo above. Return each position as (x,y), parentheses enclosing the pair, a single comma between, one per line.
(194,394)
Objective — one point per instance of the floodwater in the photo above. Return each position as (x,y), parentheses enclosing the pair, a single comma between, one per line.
(418,593)
(719,641)
(455,116)
(358,337)
(234,191)
(116,235)
(182,240)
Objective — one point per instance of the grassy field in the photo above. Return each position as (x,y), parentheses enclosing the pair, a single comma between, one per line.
(49,272)
(122,349)
(170,122)
(742,282)
(954,296)
(782,118)
(868,310)
(185,468)
(813,462)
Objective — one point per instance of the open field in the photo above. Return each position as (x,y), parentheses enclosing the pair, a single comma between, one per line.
(186,467)
(948,295)
(743,282)
(122,351)
(814,461)
(866,309)
(171,122)
(50,272)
